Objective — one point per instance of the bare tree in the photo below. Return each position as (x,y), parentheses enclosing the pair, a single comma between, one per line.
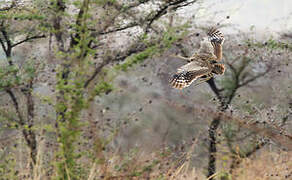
(240,74)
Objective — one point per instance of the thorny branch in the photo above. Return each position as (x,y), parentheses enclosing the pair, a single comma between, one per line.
(119,56)
(136,47)
(27,132)
(173,5)
(146,22)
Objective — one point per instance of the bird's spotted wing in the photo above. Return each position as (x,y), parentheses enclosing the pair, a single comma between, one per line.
(218,69)
(217,39)
(195,65)
(188,74)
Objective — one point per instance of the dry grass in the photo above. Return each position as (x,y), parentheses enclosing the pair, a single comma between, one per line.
(164,164)
(266,166)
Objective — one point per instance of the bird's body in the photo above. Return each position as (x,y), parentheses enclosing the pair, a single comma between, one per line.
(202,64)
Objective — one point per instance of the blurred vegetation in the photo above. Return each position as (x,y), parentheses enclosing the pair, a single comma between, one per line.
(85,95)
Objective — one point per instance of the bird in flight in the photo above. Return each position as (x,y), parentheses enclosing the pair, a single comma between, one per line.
(204,64)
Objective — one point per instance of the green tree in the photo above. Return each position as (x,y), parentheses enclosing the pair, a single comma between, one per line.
(72,29)
(17,80)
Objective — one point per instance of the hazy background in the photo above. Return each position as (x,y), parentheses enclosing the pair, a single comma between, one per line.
(143,128)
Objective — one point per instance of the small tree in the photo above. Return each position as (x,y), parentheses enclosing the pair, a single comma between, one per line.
(18,78)
(241,73)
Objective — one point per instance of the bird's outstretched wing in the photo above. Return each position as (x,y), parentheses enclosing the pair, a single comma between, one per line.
(201,64)
(217,39)
(189,73)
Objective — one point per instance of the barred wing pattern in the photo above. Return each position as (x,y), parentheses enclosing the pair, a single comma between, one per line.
(202,63)
(217,39)
(188,73)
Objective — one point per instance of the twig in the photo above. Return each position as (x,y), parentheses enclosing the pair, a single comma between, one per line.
(96,72)
(28,39)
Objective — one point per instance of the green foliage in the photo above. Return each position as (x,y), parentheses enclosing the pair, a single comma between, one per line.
(8,77)
(102,87)
(13,75)
(173,34)
(21,16)
(71,101)
(137,58)
(130,165)
(7,119)
(8,166)
(270,44)
(235,74)
(29,70)
(104,2)
(228,83)
(69,128)
(224,176)
(229,130)
(168,38)
(247,107)
(73,96)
